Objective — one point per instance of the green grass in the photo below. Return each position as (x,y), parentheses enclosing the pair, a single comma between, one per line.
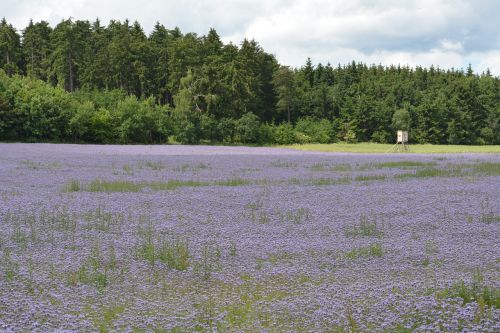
(154,165)
(369,178)
(487,168)
(174,254)
(330,181)
(331,168)
(404,164)
(374,250)
(475,291)
(72,186)
(174,184)
(364,228)
(99,185)
(283,164)
(385,148)
(454,171)
(233,182)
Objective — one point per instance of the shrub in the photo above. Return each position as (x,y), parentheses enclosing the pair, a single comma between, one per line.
(284,134)
(315,130)
(247,128)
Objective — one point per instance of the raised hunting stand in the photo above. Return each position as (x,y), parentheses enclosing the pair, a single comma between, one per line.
(402,141)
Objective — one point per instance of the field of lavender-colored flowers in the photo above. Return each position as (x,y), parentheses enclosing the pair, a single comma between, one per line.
(234,239)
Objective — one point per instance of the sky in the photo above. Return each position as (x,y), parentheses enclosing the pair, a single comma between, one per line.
(444,33)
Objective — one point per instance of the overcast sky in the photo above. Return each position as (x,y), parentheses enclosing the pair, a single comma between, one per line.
(446,33)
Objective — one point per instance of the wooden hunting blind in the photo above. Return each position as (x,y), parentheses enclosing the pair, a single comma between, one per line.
(402,137)
(401,141)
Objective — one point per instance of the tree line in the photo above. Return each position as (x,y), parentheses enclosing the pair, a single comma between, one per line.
(81,81)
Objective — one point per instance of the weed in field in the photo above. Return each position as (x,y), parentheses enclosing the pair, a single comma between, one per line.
(174,254)
(128,169)
(102,220)
(404,164)
(331,168)
(106,316)
(319,167)
(264,218)
(297,216)
(425,262)
(283,164)
(374,250)
(208,263)
(232,249)
(99,185)
(330,181)
(10,267)
(233,182)
(431,247)
(369,178)
(488,216)
(174,184)
(341,168)
(154,165)
(364,228)
(95,269)
(449,171)
(72,186)
(32,165)
(476,291)
(486,169)
(188,167)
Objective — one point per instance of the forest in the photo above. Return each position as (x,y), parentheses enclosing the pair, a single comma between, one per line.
(85,82)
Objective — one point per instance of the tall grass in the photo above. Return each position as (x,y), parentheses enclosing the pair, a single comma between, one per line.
(404,164)
(364,228)
(72,186)
(99,185)
(387,148)
(374,250)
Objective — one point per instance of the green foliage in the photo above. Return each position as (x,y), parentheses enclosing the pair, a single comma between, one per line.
(72,186)
(475,291)
(248,128)
(375,250)
(99,185)
(174,254)
(10,48)
(364,228)
(401,120)
(209,262)
(85,82)
(284,134)
(315,130)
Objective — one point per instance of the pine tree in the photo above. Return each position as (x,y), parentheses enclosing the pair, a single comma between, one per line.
(284,84)
(37,49)
(70,44)
(10,49)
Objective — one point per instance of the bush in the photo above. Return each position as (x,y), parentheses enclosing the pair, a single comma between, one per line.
(226,130)
(247,128)
(187,132)
(284,134)
(266,134)
(315,130)
(381,137)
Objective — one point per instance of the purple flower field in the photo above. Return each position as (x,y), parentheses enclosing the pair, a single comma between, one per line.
(236,239)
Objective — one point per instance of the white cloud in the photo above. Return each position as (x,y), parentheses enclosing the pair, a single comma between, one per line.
(451,45)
